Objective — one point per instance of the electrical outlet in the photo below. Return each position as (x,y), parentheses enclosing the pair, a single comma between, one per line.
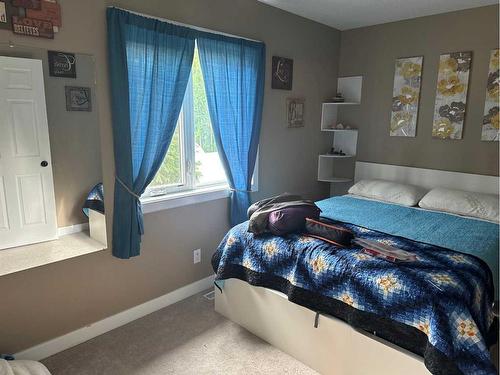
(197,256)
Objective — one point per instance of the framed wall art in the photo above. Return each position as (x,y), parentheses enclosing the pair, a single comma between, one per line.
(406,96)
(32,27)
(451,95)
(295,112)
(48,11)
(78,99)
(62,64)
(491,120)
(282,75)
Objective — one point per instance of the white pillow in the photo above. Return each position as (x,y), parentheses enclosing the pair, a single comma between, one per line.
(483,206)
(387,191)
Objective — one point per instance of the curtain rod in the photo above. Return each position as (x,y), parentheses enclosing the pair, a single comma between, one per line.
(185,24)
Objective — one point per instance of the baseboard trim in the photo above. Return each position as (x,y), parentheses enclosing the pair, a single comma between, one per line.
(75,228)
(58,344)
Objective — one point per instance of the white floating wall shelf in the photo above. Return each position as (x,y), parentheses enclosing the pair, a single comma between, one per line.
(333,168)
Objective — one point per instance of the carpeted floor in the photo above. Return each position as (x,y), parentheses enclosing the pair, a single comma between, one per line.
(188,337)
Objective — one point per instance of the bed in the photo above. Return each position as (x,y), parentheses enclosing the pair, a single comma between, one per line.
(433,315)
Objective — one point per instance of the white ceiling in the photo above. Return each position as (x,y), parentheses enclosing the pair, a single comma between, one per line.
(349,14)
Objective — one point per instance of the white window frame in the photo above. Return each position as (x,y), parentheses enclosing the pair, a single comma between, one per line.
(187,192)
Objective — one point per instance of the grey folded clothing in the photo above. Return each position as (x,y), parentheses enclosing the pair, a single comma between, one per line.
(260,212)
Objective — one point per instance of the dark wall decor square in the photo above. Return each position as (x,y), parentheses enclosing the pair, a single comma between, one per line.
(282,75)
(78,99)
(7,10)
(62,64)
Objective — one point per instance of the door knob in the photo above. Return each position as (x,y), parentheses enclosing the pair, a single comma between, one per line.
(44,163)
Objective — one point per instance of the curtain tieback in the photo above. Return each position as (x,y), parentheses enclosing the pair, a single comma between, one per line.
(241,191)
(127,188)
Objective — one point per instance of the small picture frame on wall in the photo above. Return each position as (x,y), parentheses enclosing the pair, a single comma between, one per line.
(78,99)
(62,64)
(295,112)
(282,75)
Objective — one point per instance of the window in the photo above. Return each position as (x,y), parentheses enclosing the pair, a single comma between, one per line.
(192,161)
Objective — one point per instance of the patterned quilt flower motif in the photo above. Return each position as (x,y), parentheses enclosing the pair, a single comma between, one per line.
(388,284)
(318,264)
(466,330)
(361,256)
(443,279)
(305,239)
(230,241)
(422,324)
(270,249)
(458,258)
(451,86)
(247,263)
(347,299)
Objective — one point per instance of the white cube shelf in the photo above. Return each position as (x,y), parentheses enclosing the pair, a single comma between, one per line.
(350,87)
(339,169)
(329,170)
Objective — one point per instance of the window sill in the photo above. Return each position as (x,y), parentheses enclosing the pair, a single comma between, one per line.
(22,258)
(165,202)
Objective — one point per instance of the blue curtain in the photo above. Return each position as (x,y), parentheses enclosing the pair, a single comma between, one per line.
(233,70)
(150,63)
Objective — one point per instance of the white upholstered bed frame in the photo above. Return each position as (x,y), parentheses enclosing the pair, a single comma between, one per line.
(334,347)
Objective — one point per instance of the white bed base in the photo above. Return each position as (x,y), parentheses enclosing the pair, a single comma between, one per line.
(334,347)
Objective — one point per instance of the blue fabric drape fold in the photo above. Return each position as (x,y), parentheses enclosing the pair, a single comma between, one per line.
(234,73)
(150,63)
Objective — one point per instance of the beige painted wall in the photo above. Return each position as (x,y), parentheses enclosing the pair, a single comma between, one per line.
(371,52)
(49,301)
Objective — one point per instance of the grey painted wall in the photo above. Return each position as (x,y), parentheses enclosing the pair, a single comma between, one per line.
(372,51)
(73,293)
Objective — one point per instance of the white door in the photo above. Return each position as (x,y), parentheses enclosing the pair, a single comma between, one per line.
(27,205)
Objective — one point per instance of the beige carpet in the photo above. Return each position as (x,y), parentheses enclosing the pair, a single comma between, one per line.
(188,337)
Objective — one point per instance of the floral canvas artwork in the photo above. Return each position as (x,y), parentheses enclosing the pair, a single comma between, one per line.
(405,96)
(490,130)
(451,95)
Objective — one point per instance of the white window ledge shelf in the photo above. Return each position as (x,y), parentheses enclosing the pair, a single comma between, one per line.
(22,258)
(185,198)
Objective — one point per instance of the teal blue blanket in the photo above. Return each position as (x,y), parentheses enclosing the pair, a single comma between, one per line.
(475,237)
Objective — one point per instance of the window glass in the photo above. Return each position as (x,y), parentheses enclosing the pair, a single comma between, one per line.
(171,171)
(208,167)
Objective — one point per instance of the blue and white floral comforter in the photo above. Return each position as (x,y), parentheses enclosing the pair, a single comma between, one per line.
(438,306)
